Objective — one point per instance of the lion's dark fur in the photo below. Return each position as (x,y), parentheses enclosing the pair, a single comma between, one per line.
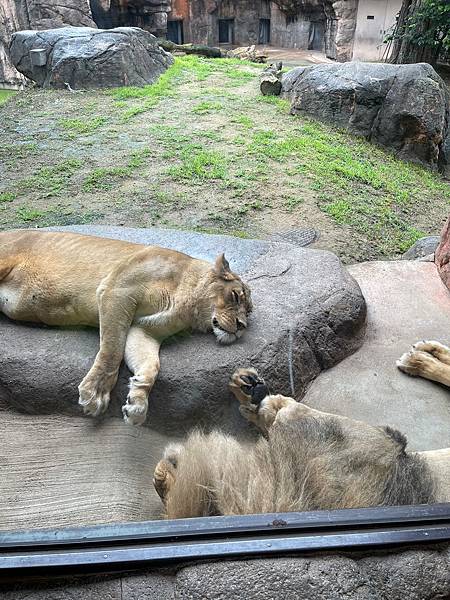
(309,461)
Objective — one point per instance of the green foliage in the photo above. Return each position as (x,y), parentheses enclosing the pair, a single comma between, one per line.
(429,24)
(7,197)
(27,214)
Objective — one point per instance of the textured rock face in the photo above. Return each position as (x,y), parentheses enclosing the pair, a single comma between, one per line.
(309,314)
(442,256)
(16,15)
(85,57)
(402,107)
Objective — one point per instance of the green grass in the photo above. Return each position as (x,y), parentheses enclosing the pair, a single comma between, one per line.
(206,107)
(7,197)
(199,165)
(27,214)
(50,181)
(105,178)
(82,126)
(185,68)
(360,185)
(5,95)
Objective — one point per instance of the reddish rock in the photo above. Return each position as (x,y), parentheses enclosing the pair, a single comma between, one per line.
(442,256)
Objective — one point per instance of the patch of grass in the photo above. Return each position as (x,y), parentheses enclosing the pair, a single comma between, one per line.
(7,197)
(243,120)
(10,152)
(82,126)
(281,104)
(50,181)
(27,214)
(199,165)
(104,178)
(5,95)
(206,107)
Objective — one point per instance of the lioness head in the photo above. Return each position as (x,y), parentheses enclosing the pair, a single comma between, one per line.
(231,303)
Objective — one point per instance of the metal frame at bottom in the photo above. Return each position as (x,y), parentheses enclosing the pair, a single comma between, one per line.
(106,548)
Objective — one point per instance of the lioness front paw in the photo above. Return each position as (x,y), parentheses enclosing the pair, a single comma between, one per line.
(134,413)
(417,363)
(93,401)
(434,348)
(248,386)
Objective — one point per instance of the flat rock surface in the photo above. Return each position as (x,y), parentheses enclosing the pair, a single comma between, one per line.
(407,302)
(309,314)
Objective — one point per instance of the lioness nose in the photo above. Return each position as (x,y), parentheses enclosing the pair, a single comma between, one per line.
(240,324)
(215,322)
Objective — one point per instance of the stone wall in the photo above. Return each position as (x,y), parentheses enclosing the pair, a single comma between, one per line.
(412,574)
(16,15)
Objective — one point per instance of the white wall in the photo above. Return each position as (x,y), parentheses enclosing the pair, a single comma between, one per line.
(369,33)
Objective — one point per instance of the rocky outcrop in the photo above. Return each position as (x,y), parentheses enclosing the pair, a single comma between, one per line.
(17,15)
(84,57)
(308,315)
(404,108)
(442,255)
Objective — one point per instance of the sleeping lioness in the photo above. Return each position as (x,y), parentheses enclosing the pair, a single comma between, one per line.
(137,295)
(305,460)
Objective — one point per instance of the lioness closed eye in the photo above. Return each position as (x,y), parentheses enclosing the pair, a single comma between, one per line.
(305,460)
(138,295)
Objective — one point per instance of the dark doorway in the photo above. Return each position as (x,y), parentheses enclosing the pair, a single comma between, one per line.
(175,32)
(226,31)
(264,31)
(316,39)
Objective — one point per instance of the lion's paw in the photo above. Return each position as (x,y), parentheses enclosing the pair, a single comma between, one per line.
(93,401)
(417,363)
(134,413)
(434,348)
(163,478)
(248,386)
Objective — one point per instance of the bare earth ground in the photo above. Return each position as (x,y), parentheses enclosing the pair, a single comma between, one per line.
(203,150)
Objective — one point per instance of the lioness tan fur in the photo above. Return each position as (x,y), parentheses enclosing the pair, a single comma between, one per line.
(137,295)
(305,460)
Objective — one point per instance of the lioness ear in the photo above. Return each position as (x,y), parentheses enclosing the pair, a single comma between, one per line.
(222,267)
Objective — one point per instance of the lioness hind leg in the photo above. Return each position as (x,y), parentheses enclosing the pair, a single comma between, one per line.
(434,348)
(422,364)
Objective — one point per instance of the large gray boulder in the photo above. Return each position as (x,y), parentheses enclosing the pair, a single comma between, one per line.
(309,314)
(402,107)
(84,57)
(17,15)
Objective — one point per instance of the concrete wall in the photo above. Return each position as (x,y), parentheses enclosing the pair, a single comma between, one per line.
(369,33)
(294,34)
(201,19)
(414,574)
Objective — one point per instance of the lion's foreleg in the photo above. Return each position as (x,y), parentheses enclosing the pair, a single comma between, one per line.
(423,364)
(116,312)
(142,358)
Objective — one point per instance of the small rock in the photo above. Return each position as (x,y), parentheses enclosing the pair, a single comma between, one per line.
(422,248)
